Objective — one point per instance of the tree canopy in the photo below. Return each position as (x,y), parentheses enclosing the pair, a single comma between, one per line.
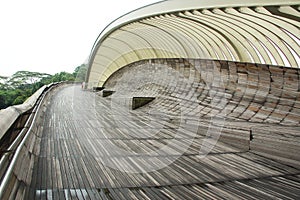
(22,84)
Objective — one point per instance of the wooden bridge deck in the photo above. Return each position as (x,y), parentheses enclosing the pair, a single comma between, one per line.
(76,138)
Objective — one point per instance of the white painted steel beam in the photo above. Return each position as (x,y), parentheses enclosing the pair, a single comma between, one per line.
(256,31)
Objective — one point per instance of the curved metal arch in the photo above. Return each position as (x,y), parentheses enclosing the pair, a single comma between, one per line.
(161,46)
(129,45)
(248,26)
(162,42)
(261,31)
(211,36)
(138,43)
(169,29)
(274,33)
(184,52)
(184,25)
(239,41)
(268,47)
(157,43)
(245,30)
(116,50)
(203,44)
(141,37)
(180,34)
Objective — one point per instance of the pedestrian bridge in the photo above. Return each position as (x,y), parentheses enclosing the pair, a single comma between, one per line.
(219,124)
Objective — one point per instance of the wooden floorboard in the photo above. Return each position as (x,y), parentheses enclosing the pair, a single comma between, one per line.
(75,142)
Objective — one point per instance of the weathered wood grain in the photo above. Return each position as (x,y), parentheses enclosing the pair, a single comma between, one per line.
(82,131)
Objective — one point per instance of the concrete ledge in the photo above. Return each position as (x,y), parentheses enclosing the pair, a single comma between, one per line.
(9,115)
(106,93)
(138,102)
(96,89)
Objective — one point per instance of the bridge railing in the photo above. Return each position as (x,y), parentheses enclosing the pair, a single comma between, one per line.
(16,125)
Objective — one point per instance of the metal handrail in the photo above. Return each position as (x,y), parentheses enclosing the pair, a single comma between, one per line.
(18,145)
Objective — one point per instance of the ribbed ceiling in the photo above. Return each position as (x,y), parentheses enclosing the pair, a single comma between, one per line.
(267,34)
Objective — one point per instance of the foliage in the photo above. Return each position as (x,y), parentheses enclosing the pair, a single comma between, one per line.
(12,97)
(25,77)
(80,73)
(21,85)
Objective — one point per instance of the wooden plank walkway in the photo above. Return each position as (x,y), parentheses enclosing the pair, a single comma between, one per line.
(80,129)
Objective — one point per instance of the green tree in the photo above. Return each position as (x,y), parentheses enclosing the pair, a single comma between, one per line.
(19,100)
(63,76)
(2,99)
(25,77)
(21,85)
(80,73)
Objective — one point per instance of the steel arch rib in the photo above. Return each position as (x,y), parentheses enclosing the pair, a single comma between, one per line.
(255,31)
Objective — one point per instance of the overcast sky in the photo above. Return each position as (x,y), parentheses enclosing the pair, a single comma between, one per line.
(54,35)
